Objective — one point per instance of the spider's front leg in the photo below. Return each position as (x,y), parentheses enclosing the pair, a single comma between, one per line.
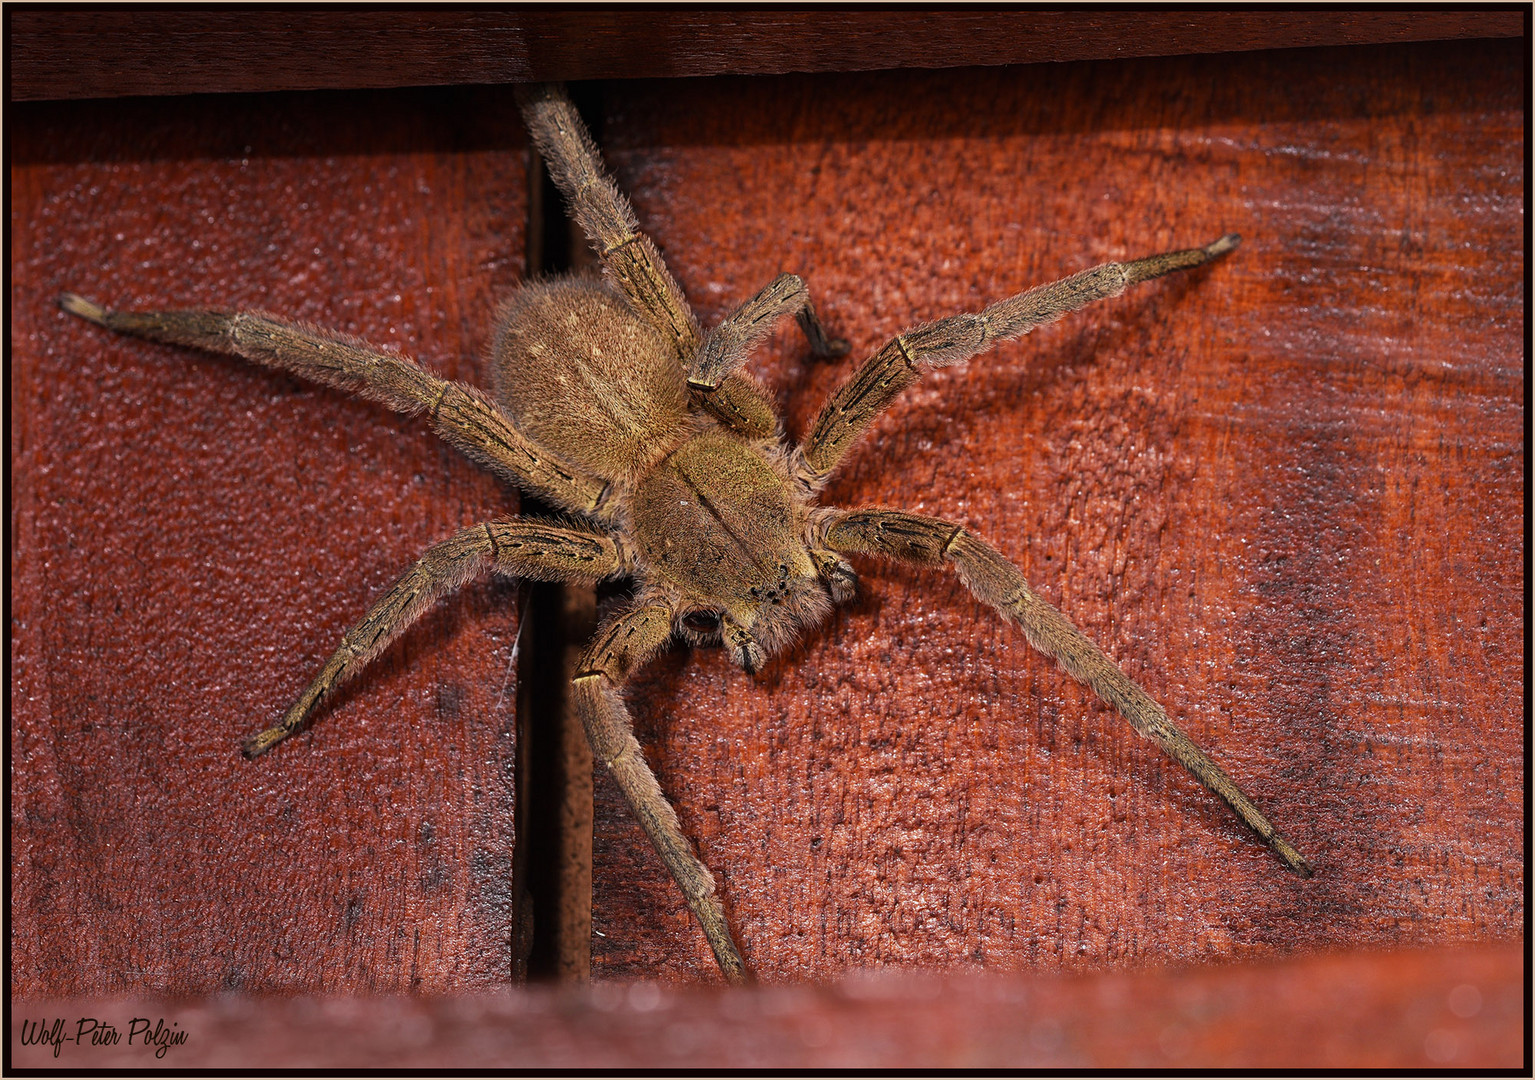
(619,649)
(850,410)
(997,582)
(526,549)
(461,414)
(714,377)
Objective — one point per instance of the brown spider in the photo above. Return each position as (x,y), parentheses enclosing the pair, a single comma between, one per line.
(611,404)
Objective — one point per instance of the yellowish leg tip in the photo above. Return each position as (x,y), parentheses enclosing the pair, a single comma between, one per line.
(76,304)
(735,970)
(1223,245)
(1293,859)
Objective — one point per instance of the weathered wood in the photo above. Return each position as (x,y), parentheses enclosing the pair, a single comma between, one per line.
(1442,1010)
(55,53)
(194,534)
(1284,491)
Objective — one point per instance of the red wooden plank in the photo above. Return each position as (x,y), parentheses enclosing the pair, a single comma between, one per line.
(193,535)
(1440,1010)
(1284,491)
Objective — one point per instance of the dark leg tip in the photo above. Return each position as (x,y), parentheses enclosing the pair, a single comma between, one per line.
(1292,858)
(253,746)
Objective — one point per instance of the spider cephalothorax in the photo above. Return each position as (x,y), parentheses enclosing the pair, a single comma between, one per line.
(612,405)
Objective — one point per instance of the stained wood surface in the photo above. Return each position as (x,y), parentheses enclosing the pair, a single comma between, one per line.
(109,53)
(1446,1009)
(1284,491)
(193,535)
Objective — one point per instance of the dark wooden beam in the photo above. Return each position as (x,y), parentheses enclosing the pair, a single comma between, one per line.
(55,52)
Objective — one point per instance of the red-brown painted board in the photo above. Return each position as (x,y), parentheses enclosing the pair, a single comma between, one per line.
(191,536)
(1440,1009)
(1284,491)
(1400,676)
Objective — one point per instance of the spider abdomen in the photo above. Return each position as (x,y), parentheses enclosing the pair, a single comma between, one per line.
(580,373)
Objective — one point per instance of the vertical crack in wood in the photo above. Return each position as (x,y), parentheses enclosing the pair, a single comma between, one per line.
(573,947)
(553,868)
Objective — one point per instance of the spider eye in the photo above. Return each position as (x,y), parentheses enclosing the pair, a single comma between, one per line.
(702,621)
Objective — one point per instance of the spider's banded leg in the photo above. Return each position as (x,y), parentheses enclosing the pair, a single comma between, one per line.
(621,647)
(740,403)
(715,381)
(605,216)
(726,347)
(997,582)
(531,550)
(853,407)
(461,414)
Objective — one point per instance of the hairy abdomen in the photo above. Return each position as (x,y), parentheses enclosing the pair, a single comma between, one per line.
(582,375)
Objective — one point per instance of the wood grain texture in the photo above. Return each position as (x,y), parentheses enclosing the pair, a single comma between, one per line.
(192,536)
(1437,1010)
(1284,491)
(158,51)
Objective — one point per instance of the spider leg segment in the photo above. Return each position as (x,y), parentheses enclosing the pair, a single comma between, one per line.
(523,549)
(714,379)
(837,573)
(995,581)
(727,346)
(739,403)
(461,414)
(620,648)
(605,215)
(629,256)
(852,408)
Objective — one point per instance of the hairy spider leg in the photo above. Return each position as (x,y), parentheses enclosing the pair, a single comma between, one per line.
(524,548)
(461,414)
(997,582)
(629,257)
(850,410)
(715,379)
(620,648)
(727,346)
(605,216)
